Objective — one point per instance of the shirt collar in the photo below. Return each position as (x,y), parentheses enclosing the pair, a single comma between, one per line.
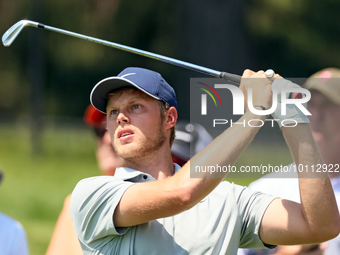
(129,174)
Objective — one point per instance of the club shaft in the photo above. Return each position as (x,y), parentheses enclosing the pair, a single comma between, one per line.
(10,35)
(197,68)
(138,51)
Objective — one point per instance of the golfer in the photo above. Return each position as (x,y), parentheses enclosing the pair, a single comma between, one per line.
(152,206)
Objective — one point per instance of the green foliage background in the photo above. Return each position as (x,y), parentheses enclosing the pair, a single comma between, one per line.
(46,78)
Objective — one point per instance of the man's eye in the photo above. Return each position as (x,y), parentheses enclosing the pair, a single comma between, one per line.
(113,112)
(137,106)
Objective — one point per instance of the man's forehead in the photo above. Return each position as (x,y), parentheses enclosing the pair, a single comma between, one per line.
(127,95)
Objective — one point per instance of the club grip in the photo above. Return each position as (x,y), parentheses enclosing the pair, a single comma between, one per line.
(234,78)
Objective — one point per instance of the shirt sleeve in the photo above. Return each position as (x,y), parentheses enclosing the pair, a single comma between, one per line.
(252,206)
(93,203)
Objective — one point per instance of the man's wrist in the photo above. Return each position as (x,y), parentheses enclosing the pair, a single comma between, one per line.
(261,108)
(252,116)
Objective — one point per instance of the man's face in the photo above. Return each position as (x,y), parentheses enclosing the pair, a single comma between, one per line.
(134,124)
(325,118)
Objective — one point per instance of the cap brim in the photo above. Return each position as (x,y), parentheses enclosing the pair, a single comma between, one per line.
(327,91)
(99,93)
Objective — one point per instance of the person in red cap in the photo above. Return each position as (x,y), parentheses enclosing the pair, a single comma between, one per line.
(64,240)
(107,158)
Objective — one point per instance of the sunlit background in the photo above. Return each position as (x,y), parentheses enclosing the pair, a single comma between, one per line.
(46,78)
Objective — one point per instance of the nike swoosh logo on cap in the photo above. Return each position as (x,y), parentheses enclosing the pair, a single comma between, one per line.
(126,75)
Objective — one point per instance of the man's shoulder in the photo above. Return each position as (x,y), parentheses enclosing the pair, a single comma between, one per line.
(95,191)
(92,184)
(227,189)
(237,190)
(230,187)
(95,179)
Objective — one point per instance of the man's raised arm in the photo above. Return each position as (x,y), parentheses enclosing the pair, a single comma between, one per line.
(316,219)
(178,193)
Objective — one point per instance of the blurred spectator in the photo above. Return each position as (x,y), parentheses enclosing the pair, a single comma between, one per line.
(189,140)
(107,158)
(64,239)
(13,239)
(324,106)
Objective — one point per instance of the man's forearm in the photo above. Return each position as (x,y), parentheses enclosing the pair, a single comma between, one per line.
(303,149)
(317,198)
(224,150)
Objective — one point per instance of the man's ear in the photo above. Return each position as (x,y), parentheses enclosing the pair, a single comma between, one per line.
(171,117)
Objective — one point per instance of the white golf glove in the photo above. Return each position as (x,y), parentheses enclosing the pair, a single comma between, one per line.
(294,114)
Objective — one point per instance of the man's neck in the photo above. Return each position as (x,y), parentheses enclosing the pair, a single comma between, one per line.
(158,165)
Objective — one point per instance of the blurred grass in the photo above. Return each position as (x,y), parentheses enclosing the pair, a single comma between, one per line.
(265,153)
(34,188)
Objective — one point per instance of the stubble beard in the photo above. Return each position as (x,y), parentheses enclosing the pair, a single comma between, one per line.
(144,146)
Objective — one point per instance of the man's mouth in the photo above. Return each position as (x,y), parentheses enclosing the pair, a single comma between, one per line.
(124,133)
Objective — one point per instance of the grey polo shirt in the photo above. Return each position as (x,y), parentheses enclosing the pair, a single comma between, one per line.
(228,218)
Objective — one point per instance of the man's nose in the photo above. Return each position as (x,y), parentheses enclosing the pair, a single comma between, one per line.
(122,118)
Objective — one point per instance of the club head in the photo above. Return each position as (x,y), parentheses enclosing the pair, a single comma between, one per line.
(12,33)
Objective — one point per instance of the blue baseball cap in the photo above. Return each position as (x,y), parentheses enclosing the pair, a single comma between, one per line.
(150,82)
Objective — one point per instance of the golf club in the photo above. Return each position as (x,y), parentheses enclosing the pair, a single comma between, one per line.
(11,34)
